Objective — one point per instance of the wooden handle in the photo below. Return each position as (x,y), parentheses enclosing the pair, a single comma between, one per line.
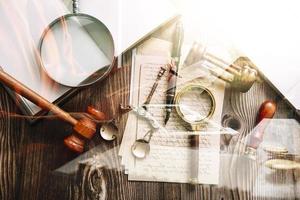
(35,98)
(267,110)
(194,142)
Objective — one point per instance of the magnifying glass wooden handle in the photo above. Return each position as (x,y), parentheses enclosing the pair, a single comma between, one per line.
(85,128)
(266,111)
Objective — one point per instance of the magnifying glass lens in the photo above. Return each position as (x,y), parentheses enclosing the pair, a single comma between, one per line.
(195,104)
(77,50)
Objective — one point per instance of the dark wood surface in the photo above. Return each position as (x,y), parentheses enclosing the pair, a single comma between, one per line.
(30,154)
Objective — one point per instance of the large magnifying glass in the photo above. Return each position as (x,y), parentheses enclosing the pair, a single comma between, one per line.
(77,49)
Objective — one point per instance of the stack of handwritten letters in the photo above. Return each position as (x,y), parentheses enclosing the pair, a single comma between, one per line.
(171,156)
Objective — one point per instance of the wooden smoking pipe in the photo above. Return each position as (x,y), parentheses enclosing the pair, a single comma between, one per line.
(84,128)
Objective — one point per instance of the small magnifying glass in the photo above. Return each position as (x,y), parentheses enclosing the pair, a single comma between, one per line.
(194,105)
(141,147)
(76,49)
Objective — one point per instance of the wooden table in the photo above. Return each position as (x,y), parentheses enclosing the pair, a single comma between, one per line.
(29,155)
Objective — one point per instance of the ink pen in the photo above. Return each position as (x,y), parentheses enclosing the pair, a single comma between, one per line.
(176,53)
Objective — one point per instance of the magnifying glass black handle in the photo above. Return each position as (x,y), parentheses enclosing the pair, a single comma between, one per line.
(75,6)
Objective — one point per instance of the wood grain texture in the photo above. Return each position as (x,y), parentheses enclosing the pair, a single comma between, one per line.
(9,144)
(29,155)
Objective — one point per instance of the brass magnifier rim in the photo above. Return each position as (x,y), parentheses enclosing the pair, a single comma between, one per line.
(194,125)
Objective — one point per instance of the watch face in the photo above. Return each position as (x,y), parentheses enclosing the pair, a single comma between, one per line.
(195,104)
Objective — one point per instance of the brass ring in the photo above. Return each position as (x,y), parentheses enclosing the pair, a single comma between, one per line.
(194,125)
